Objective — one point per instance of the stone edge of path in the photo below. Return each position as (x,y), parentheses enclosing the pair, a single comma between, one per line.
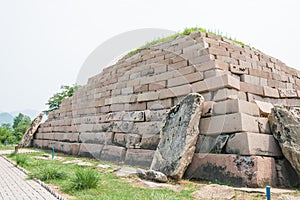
(44,185)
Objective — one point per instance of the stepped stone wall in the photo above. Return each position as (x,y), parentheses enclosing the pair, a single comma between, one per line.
(118,114)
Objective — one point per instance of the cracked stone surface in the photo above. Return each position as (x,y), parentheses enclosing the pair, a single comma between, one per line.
(179,135)
(285,126)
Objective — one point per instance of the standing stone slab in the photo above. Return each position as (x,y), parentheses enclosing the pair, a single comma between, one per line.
(285,126)
(28,135)
(178,137)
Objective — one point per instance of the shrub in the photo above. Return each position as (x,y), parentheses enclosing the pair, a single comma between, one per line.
(47,173)
(84,179)
(55,101)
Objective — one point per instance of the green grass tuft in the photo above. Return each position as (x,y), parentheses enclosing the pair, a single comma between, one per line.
(47,173)
(21,159)
(84,179)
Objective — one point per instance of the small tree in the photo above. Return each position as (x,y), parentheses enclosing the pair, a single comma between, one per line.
(55,101)
(6,134)
(20,125)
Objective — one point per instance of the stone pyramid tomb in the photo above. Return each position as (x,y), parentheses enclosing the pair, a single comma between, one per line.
(118,115)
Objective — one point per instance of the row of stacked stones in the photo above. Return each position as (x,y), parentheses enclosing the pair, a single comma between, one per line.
(118,114)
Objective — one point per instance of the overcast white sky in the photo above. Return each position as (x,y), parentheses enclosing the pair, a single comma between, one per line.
(43,44)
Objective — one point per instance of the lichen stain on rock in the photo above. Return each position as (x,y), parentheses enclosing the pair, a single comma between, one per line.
(220,174)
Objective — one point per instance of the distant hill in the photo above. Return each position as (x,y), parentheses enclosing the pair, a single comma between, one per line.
(29,112)
(6,118)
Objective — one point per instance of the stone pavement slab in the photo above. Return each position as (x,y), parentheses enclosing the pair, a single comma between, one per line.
(14,184)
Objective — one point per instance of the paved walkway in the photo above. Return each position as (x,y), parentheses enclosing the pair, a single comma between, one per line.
(14,185)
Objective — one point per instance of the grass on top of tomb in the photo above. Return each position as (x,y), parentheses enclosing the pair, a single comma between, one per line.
(101,183)
(186,31)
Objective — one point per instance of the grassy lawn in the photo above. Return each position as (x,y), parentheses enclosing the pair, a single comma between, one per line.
(70,179)
(92,182)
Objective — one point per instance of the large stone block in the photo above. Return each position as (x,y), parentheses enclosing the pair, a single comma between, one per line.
(185,79)
(226,93)
(174,91)
(214,73)
(235,106)
(114,116)
(264,107)
(137,116)
(238,69)
(252,88)
(157,85)
(158,105)
(141,88)
(270,92)
(121,99)
(135,106)
(38,143)
(71,137)
(70,148)
(201,59)
(230,123)
(147,128)
(96,137)
(287,93)
(213,64)
(80,128)
(90,150)
(245,171)
(263,125)
(253,97)
(286,175)
(214,83)
(59,136)
(250,79)
(139,157)
(253,144)
(117,107)
(127,140)
(211,143)
(51,144)
(155,115)
(113,154)
(48,136)
(147,96)
(208,108)
(150,141)
(122,127)
(39,135)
